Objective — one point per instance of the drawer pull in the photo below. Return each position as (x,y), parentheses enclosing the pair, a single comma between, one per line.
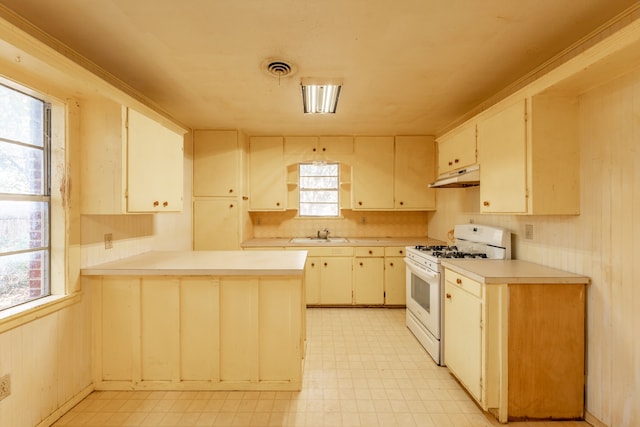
(156,203)
(459,281)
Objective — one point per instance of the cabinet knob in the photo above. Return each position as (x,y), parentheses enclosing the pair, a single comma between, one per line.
(325,264)
(485,203)
(401,203)
(231,205)
(231,190)
(324,149)
(401,251)
(456,161)
(450,163)
(360,203)
(459,281)
(370,252)
(314,149)
(360,264)
(156,204)
(313,264)
(448,296)
(390,264)
(165,204)
(277,203)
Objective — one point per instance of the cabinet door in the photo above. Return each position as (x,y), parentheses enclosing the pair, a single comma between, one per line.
(373,173)
(368,281)
(312,280)
(154,166)
(503,156)
(414,169)
(216,163)
(462,337)
(395,289)
(216,224)
(267,175)
(457,150)
(337,281)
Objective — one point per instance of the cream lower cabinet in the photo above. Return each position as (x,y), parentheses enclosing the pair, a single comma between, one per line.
(395,278)
(198,333)
(517,348)
(328,275)
(368,276)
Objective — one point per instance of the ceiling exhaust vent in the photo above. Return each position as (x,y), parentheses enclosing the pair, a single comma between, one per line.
(279,68)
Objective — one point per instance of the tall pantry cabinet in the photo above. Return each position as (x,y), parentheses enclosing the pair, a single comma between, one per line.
(220,219)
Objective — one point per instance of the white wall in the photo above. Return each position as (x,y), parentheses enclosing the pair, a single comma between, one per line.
(603,242)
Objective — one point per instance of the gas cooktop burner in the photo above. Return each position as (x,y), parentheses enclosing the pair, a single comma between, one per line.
(440,254)
(432,248)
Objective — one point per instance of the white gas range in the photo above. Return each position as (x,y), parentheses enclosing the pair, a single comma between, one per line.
(425,278)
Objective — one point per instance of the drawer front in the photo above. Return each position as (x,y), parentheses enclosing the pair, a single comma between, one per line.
(325,251)
(395,251)
(374,251)
(463,282)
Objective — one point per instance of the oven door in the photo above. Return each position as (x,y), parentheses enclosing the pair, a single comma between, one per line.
(423,296)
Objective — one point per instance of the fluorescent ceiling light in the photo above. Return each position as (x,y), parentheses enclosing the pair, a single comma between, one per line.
(320,97)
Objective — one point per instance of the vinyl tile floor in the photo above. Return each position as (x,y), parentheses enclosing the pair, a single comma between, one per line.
(363,368)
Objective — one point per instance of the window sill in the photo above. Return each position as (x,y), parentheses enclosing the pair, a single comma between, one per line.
(17,316)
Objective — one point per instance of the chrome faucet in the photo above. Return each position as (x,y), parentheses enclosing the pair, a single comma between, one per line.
(323,234)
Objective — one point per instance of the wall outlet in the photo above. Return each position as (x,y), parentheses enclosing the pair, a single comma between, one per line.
(5,386)
(528,231)
(108,241)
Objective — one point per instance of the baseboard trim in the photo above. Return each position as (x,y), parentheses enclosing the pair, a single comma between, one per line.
(588,417)
(66,407)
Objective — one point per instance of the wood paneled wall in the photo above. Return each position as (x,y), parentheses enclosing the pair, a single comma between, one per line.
(603,242)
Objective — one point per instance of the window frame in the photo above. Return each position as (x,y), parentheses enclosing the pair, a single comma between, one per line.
(301,188)
(64,272)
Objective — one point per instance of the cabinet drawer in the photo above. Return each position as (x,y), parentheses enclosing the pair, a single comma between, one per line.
(463,282)
(369,251)
(395,251)
(325,251)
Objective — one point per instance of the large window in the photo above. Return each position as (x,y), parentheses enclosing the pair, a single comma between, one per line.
(319,189)
(24,198)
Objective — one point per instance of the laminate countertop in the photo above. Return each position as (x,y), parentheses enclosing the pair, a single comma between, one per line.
(205,263)
(511,272)
(266,242)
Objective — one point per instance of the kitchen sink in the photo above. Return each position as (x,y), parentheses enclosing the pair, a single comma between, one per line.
(317,240)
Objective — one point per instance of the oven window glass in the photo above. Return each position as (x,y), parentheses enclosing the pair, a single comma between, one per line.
(421,293)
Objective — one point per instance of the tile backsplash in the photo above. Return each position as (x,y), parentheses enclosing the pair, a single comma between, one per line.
(350,224)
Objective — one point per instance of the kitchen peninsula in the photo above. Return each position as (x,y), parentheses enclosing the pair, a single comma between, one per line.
(207,320)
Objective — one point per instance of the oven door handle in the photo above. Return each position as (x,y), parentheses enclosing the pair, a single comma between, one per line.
(419,270)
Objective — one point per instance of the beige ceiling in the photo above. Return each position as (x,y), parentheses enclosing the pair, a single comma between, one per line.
(408,66)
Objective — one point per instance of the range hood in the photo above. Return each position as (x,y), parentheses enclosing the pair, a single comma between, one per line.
(466,177)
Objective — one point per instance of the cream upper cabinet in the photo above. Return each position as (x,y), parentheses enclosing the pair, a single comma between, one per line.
(220,220)
(372,182)
(503,154)
(414,169)
(217,163)
(308,148)
(457,149)
(529,157)
(267,174)
(130,163)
